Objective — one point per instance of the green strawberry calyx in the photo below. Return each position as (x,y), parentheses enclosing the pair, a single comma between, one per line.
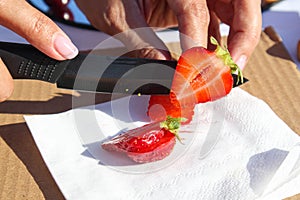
(173,124)
(224,54)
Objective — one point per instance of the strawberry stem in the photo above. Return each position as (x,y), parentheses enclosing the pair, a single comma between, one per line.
(224,54)
(173,124)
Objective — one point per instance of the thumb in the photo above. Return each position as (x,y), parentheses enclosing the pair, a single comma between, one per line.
(6,82)
(37,29)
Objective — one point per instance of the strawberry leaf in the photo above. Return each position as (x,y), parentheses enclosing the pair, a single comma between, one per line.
(224,54)
(173,124)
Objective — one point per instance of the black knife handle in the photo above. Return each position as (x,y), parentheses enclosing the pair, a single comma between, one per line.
(26,62)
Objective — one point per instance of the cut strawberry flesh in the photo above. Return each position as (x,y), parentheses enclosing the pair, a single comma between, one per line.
(212,83)
(158,153)
(209,78)
(191,60)
(161,106)
(200,76)
(148,143)
(144,144)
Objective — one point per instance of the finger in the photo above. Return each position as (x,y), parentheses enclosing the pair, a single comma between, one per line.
(193,20)
(245,30)
(125,21)
(6,82)
(144,43)
(37,29)
(140,35)
(214,29)
(141,38)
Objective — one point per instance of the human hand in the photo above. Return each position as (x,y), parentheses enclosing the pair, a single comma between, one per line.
(196,20)
(245,21)
(38,30)
(120,16)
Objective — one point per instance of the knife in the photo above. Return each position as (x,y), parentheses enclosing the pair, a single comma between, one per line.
(90,72)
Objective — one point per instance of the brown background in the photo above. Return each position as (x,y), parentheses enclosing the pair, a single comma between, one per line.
(23,173)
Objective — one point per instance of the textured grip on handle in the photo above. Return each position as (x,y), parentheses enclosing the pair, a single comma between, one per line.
(38,71)
(26,62)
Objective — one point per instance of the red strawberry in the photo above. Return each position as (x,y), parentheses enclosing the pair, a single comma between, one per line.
(161,106)
(208,73)
(148,143)
(201,75)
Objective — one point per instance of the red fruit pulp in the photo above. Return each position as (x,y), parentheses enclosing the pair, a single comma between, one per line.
(140,140)
(205,73)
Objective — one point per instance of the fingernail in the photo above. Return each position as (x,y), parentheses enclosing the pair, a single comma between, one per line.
(65,47)
(241,61)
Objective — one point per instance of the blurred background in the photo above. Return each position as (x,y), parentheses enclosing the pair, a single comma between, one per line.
(66,10)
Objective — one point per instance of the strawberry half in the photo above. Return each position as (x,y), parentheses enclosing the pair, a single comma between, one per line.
(201,76)
(208,73)
(161,106)
(148,143)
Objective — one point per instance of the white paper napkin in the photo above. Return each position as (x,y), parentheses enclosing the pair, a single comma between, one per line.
(235,148)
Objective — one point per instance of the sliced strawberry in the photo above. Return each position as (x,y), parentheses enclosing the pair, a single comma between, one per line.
(207,72)
(148,143)
(201,75)
(161,106)
(159,153)
(209,78)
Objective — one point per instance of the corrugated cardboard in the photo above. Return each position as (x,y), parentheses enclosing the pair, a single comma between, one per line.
(23,174)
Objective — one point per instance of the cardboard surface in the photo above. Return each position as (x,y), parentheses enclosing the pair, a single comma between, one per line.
(23,174)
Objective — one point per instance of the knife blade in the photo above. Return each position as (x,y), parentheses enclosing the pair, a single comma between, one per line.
(89,72)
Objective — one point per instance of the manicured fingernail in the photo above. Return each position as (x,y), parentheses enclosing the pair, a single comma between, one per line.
(241,61)
(65,47)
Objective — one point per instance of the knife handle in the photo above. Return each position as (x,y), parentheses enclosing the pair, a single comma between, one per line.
(26,62)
